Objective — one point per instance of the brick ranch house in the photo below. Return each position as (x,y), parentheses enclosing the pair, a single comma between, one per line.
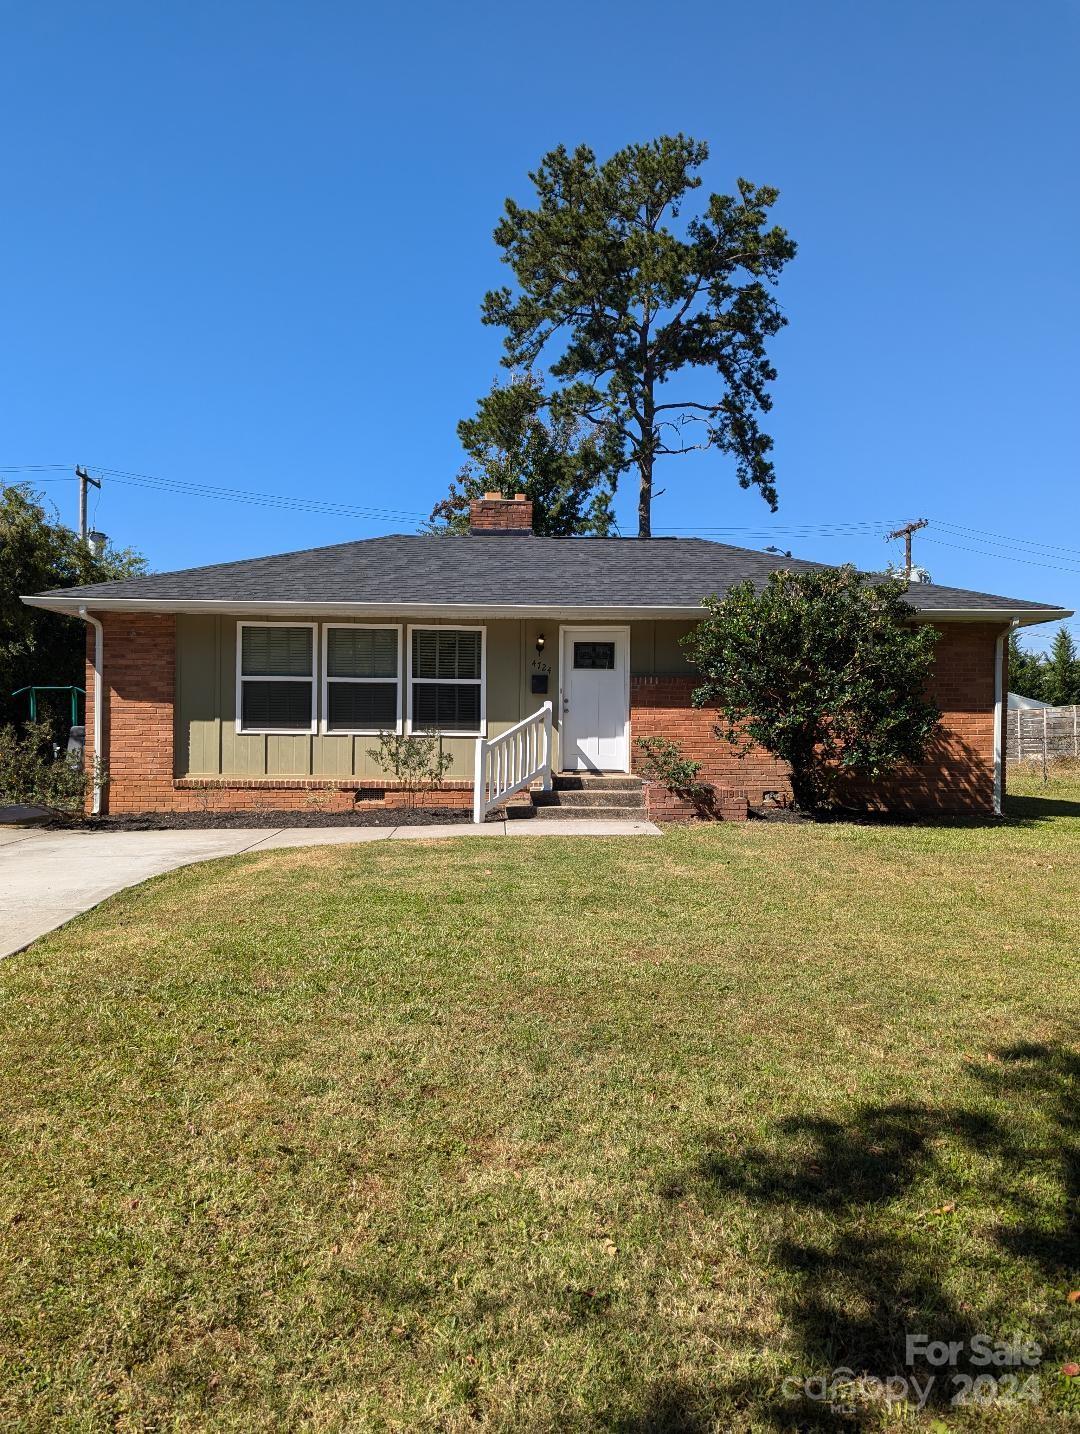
(264,683)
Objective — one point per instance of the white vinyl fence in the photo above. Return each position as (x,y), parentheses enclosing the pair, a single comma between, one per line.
(1043,734)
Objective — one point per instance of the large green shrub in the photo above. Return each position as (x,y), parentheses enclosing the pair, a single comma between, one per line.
(824,669)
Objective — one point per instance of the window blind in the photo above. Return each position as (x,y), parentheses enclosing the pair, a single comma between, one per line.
(443,653)
(277,706)
(361,652)
(276,652)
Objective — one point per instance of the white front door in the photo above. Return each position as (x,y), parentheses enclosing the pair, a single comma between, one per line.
(594,671)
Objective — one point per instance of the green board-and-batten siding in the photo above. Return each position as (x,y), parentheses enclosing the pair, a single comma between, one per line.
(208,744)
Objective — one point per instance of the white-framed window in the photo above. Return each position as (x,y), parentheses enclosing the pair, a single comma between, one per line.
(361,678)
(446,680)
(275,677)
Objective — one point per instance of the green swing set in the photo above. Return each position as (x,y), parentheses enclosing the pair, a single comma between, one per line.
(47,687)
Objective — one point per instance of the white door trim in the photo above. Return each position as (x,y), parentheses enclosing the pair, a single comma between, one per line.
(603,632)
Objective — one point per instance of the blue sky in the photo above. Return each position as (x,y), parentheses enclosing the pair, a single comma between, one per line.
(245,246)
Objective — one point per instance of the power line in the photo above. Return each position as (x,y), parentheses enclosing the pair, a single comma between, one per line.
(277,501)
(992,545)
(237,495)
(36,468)
(989,548)
(207,490)
(1008,557)
(854,528)
(247,495)
(1005,546)
(981,533)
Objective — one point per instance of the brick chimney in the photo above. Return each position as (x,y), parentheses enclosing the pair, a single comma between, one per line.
(495,514)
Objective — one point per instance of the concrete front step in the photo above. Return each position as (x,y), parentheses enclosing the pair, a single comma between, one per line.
(588,797)
(599,796)
(575,814)
(596,782)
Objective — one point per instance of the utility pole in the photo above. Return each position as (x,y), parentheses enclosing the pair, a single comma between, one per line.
(905,532)
(84,478)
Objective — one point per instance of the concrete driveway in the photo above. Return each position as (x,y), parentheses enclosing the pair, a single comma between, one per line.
(46,877)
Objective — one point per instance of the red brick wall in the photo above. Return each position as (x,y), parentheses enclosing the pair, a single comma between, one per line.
(661,707)
(501,515)
(958,773)
(957,776)
(139,680)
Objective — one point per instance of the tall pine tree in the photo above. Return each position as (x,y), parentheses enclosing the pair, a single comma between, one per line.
(658,324)
(515,445)
(1061,671)
(1026,675)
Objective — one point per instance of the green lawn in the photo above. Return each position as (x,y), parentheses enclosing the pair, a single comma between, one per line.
(612,1135)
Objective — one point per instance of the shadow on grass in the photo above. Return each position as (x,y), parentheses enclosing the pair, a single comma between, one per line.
(1026,810)
(861,1265)
(1020,813)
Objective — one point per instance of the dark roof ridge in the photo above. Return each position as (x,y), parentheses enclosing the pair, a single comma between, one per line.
(431,570)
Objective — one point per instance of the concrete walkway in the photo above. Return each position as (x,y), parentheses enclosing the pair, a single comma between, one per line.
(46,878)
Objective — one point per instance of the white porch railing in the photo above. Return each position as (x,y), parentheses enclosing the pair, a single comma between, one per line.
(511,761)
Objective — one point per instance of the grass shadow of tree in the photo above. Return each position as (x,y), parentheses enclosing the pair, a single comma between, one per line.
(862,1263)
(1023,811)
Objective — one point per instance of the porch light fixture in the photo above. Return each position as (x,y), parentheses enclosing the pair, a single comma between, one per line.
(539,642)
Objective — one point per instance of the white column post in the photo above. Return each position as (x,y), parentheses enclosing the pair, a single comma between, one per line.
(1000,732)
(479,781)
(547,746)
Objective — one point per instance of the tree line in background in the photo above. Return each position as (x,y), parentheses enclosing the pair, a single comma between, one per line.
(38,552)
(1053,677)
(655,333)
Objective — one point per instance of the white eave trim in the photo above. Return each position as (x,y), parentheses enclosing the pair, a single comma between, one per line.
(477,612)
(1019,617)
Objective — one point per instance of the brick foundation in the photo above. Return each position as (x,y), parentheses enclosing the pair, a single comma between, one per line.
(956,777)
(314,794)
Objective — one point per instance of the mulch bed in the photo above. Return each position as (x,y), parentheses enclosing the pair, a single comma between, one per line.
(780,814)
(203,821)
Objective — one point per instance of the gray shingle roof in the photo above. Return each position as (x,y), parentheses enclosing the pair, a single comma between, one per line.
(498,571)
